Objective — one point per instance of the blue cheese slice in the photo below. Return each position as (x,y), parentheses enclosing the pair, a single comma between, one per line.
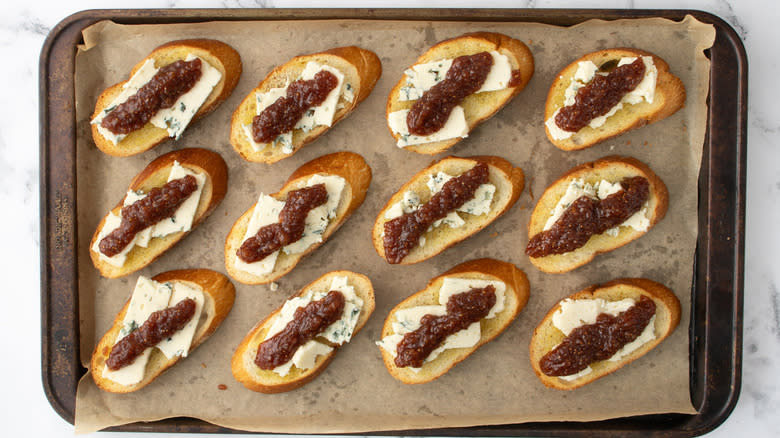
(267,211)
(575,313)
(180,221)
(148,297)
(320,115)
(455,127)
(408,320)
(338,333)
(174,119)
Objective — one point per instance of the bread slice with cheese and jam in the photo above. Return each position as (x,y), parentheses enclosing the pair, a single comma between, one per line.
(175,85)
(322,317)
(569,348)
(143,225)
(620,195)
(504,66)
(401,234)
(344,176)
(606,93)
(476,300)
(164,320)
(269,125)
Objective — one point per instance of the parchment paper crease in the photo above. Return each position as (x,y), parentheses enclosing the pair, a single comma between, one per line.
(494,386)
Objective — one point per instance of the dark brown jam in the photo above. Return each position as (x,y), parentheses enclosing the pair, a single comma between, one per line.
(160,203)
(516,79)
(598,341)
(465,76)
(308,322)
(160,325)
(463,309)
(162,91)
(292,221)
(282,115)
(587,217)
(403,233)
(599,96)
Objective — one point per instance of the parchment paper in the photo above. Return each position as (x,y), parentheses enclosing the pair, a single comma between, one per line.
(496,385)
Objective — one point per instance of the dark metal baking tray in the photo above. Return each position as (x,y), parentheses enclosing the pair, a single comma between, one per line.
(717,286)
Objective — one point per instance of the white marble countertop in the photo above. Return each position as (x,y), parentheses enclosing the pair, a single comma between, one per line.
(24,410)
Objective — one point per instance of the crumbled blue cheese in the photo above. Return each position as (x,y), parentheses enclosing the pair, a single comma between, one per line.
(586,71)
(321,115)
(338,333)
(575,313)
(148,297)
(267,211)
(598,190)
(477,206)
(180,221)
(454,127)
(174,119)
(408,320)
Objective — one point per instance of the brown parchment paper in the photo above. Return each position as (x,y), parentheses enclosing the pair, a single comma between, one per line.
(496,385)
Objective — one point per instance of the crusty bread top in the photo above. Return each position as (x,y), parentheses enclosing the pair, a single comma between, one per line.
(218,54)
(154,175)
(219,295)
(516,297)
(509,183)
(361,69)
(267,381)
(613,169)
(477,107)
(348,165)
(669,97)
(546,336)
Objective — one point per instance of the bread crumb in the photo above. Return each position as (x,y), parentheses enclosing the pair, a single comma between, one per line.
(628,142)
(203,365)
(530,186)
(273,286)
(495,233)
(222,387)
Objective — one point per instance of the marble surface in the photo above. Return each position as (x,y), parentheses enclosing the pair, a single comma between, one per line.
(24,409)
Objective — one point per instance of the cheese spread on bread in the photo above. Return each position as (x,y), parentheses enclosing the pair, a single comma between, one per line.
(148,297)
(598,190)
(338,333)
(180,221)
(575,313)
(421,77)
(321,115)
(408,320)
(586,71)
(478,205)
(173,119)
(267,211)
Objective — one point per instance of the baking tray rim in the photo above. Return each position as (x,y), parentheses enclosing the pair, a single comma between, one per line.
(58,229)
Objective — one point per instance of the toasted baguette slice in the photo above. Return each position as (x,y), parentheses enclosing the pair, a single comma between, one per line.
(155,175)
(253,377)
(218,54)
(508,180)
(669,97)
(477,107)
(361,69)
(515,299)
(546,336)
(348,165)
(219,295)
(613,169)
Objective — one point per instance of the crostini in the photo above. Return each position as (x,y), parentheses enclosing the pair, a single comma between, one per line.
(298,340)
(471,304)
(300,100)
(164,320)
(445,203)
(178,83)
(569,348)
(594,208)
(164,202)
(606,93)
(478,73)
(262,244)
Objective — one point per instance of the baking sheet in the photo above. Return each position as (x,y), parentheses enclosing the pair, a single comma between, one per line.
(674,152)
